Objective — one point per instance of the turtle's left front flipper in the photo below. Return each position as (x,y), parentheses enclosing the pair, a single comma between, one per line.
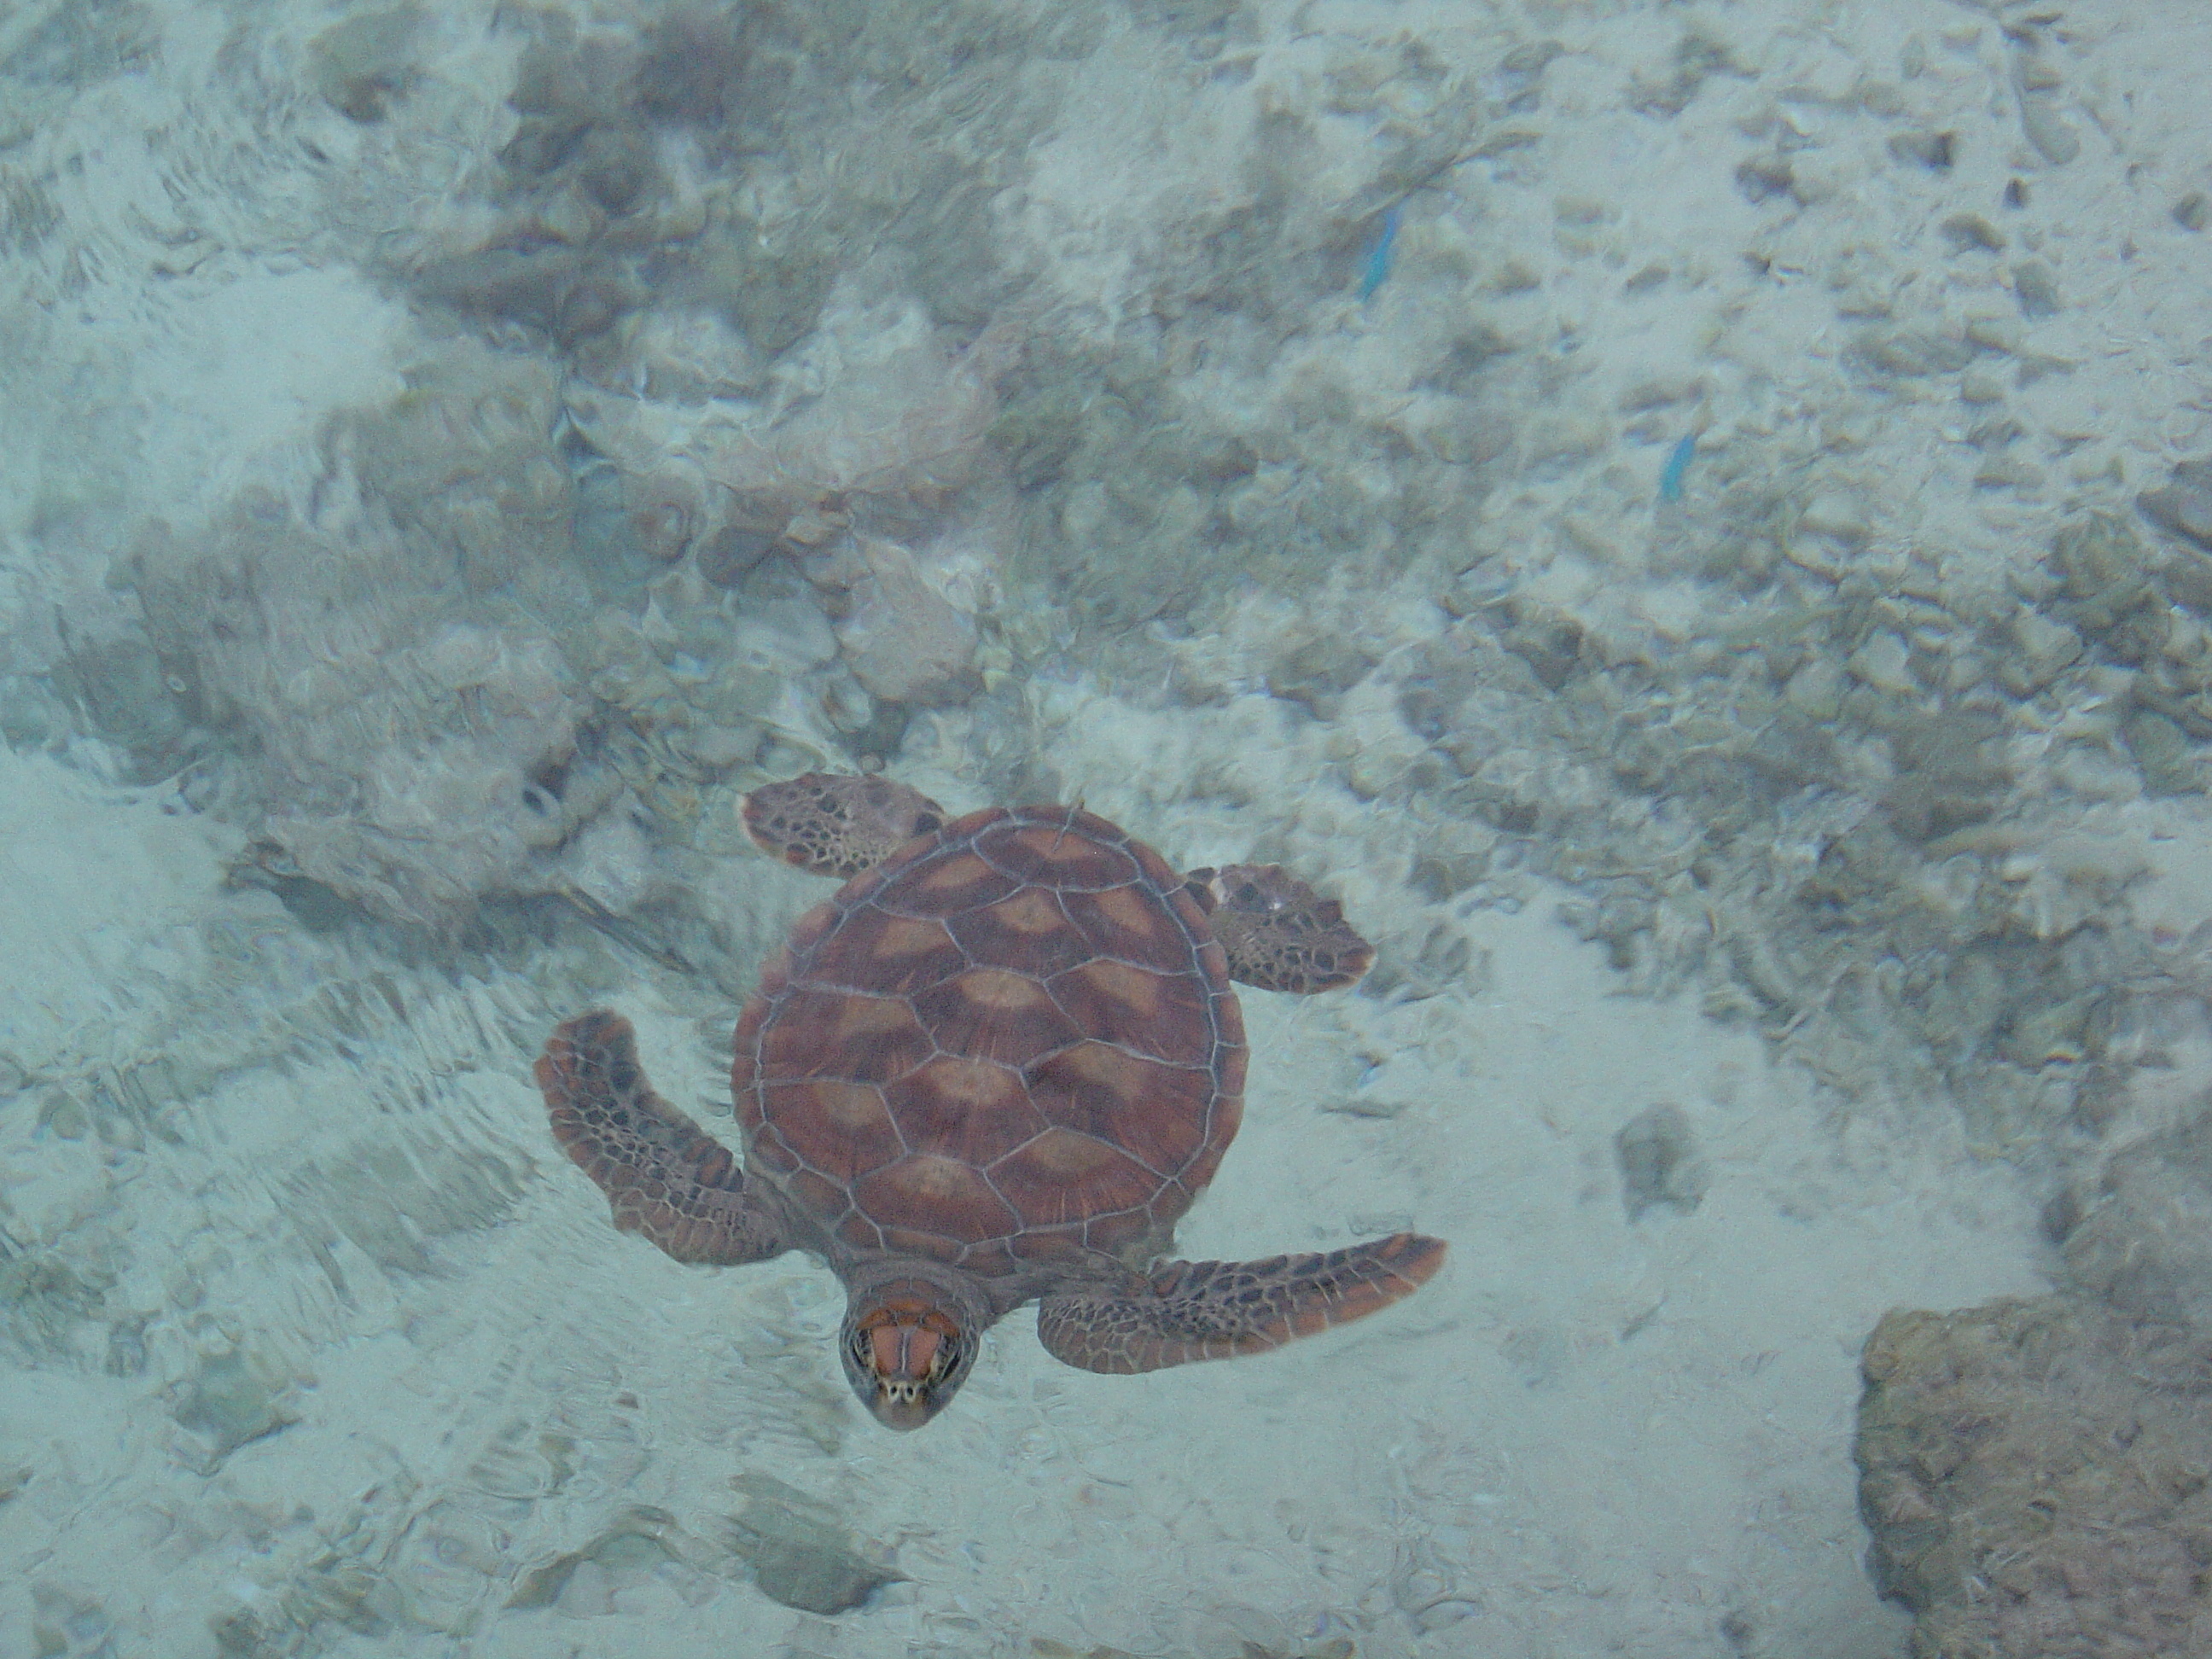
(664,1176)
(1217,1310)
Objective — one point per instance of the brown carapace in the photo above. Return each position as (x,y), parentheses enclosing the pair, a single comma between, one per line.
(997,1066)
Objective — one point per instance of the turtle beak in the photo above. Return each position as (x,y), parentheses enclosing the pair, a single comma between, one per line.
(905,1358)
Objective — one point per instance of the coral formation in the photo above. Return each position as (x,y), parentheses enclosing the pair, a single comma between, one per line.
(2037,1476)
(406,728)
(2033,1474)
(2141,1241)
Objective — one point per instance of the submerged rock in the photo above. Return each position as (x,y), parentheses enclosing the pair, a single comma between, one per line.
(2184,506)
(231,1400)
(2143,1243)
(1660,1163)
(2037,1475)
(2034,1477)
(801,1555)
(903,639)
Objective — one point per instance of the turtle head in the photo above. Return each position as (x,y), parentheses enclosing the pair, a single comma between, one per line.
(908,1347)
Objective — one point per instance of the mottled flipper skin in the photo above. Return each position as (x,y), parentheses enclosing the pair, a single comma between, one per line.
(1219,1310)
(666,1178)
(1278,933)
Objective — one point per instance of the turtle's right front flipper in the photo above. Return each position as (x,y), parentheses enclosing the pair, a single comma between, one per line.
(1191,1310)
(666,1178)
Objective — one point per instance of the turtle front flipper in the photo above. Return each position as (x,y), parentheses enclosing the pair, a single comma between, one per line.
(1278,932)
(836,823)
(1217,1310)
(666,1178)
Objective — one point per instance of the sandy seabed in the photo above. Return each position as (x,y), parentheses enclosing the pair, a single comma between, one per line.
(313,1342)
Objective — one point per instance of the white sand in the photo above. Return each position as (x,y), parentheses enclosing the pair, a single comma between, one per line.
(263,1178)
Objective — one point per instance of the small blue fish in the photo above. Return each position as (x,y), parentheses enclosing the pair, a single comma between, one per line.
(1670,476)
(1378,258)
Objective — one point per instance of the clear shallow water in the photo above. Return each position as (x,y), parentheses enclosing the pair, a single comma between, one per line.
(1671,517)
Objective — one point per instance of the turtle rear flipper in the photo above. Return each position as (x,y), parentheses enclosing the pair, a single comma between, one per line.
(1217,1310)
(1278,932)
(836,823)
(666,1178)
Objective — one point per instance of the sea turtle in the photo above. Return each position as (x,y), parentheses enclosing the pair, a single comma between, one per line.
(998,1066)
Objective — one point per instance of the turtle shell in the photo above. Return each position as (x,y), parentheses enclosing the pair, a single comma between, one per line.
(1013,1040)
